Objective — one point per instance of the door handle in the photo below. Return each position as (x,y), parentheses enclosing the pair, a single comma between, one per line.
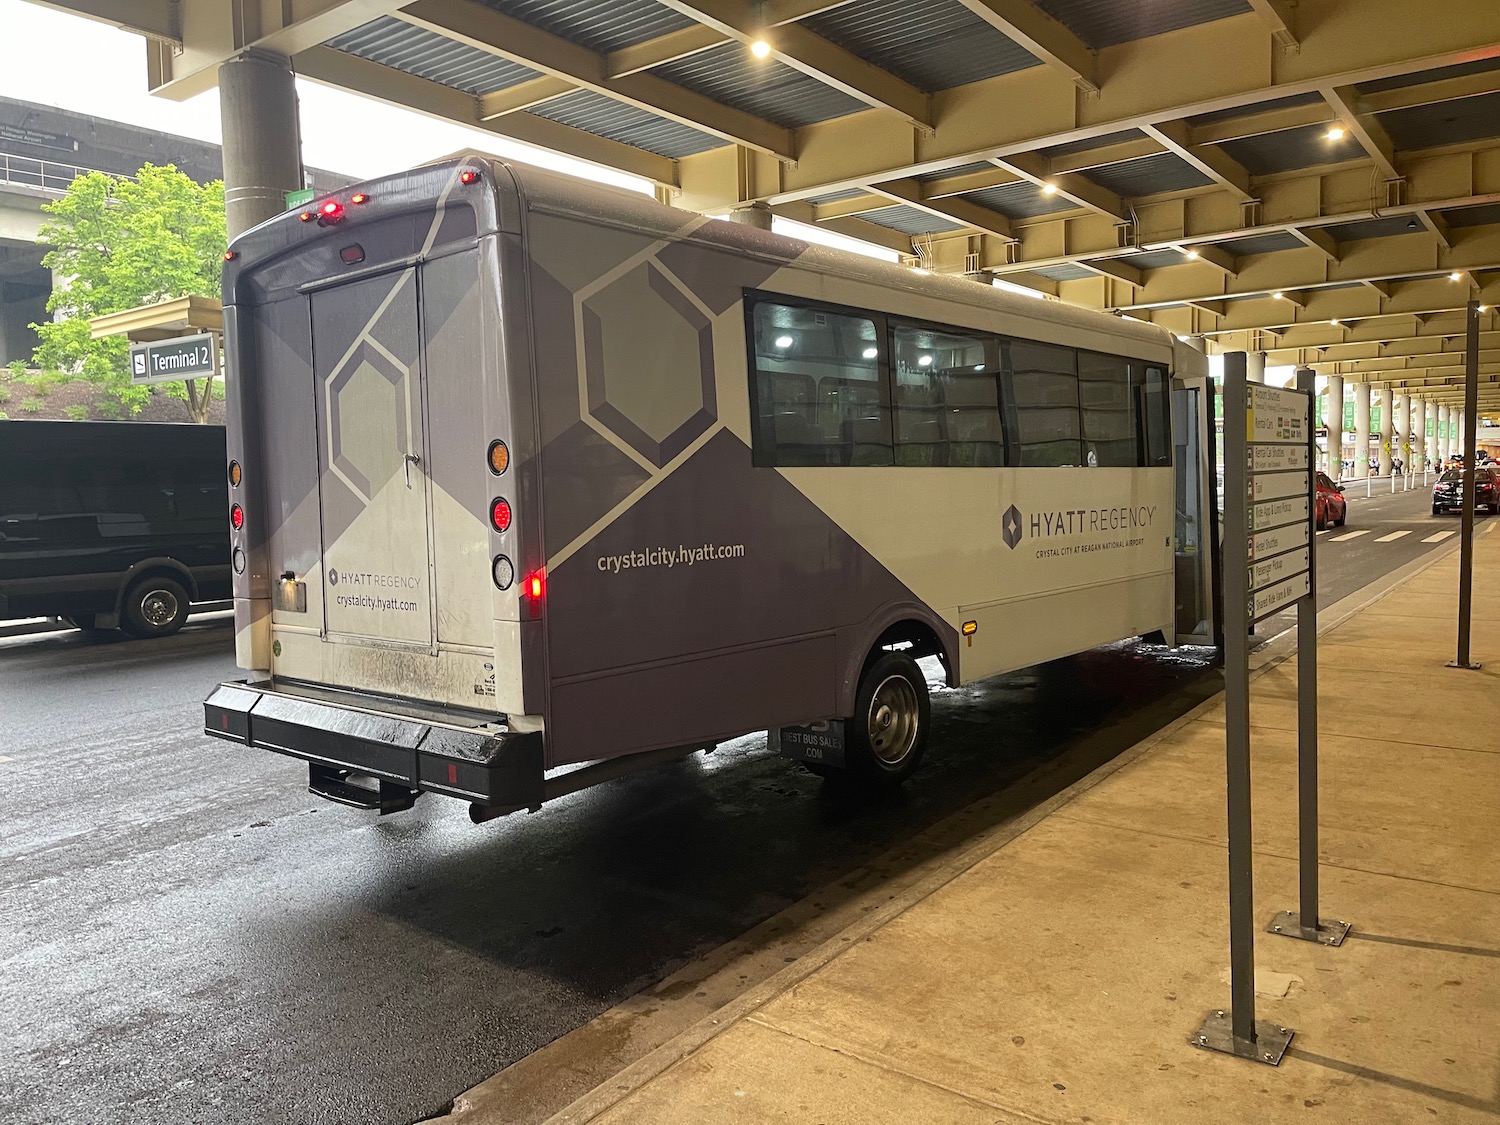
(411,459)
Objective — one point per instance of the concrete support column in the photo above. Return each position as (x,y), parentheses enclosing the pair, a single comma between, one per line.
(1255,367)
(262,137)
(1459,433)
(1361,429)
(1387,418)
(1401,432)
(756,215)
(1418,433)
(1444,449)
(1333,415)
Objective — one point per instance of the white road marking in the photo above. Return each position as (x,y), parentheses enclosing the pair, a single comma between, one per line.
(1391,536)
(3,758)
(1438,538)
(1349,535)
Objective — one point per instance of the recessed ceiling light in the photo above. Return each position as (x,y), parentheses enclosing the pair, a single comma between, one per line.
(1334,322)
(1279,295)
(1192,255)
(760,49)
(1455,277)
(1336,133)
(1049,188)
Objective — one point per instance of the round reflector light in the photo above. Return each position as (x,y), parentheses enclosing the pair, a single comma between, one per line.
(504,572)
(237,516)
(499,457)
(238,558)
(358,197)
(500,514)
(234,474)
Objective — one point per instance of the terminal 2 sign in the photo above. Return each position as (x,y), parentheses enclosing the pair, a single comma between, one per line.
(168,361)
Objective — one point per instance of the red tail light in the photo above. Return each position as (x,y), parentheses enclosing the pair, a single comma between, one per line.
(468,176)
(500,514)
(237,517)
(533,588)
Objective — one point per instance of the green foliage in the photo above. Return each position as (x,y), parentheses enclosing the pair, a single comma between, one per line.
(4,394)
(121,244)
(77,412)
(32,405)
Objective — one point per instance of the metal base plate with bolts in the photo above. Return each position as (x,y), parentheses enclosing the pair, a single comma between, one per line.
(1468,667)
(1289,924)
(1217,1034)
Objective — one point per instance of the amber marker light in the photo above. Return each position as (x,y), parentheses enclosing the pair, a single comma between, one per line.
(234,474)
(230,255)
(359,197)
(499,457)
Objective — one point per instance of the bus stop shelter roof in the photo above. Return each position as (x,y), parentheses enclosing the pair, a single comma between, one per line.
(1318,180)
(180,316)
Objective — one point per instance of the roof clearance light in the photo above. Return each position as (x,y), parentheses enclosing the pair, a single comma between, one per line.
(307,216)
(359,197)
(237,517)
(500,513)
(499,457)
(468,176)
(760,49)
(783,341)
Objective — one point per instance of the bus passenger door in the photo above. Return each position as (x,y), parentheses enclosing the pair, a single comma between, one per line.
(1197,507)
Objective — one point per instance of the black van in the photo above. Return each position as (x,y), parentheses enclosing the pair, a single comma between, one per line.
(112,524)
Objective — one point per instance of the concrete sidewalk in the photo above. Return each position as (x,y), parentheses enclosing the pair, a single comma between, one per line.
(1059,977)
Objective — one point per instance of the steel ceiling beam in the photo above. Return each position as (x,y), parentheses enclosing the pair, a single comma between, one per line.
(688,41)
(336,68)
(155,19)
(1279,18)
(480,26)
(524,95)
(1032,29)
(1228,173)
(953,208)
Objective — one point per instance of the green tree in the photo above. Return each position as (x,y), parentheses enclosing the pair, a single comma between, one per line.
(118,244)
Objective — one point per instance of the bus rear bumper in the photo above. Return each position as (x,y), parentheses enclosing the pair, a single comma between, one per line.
(405,755)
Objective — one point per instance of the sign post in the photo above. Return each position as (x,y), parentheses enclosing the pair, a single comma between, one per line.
(1466,534)
(1304,922)
(169,361)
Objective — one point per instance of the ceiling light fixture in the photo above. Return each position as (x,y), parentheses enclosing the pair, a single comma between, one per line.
(1279,295)
(760,49)
(1336,133)
(1049,188)
(1455,277)
(1192,255)
(1334,322)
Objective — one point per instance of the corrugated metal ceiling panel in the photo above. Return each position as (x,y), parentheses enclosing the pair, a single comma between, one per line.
(596,25)
(1375,228)
(768,89)
(1148,176)
(426,54)
(962,169)
(1103,23)
(605,117)
(836,196)
(1458,70)
(1473,216)
(1291,149)
(1444,123)
(1290,102)
(1154,259)
(1023,200)
(1064,272)
(1093,142)
(909,220)
(1261,244)
(932,44)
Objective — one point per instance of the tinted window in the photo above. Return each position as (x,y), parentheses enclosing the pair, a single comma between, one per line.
(946,398)
(1043,383)
(1107,399)
(820,399)
(1156,418)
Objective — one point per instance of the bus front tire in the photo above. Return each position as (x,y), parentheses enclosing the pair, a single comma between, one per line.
(887,736)
(156,606)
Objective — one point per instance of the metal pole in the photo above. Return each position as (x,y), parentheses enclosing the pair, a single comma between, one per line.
(1307,704)
(1237,702)
(1470,440)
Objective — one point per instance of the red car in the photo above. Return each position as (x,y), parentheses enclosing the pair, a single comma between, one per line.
(1332,509)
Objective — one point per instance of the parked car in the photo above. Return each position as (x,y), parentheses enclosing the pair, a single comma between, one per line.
(1447,493)
(1332,509)
(112,524)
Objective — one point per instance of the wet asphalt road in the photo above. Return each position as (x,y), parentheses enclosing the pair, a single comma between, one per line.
(186,935)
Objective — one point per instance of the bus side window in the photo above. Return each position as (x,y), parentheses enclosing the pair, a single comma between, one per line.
(1104,393)
(819,395)
(947,408)
(1156,418)
(1042,381)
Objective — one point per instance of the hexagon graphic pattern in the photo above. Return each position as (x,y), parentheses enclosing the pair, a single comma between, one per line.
(1010,527)
(648,353)
(367,410)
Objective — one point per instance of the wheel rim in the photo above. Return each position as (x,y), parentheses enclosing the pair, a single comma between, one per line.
(158,608)
(893,720)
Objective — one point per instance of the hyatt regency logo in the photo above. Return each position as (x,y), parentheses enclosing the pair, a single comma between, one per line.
(333,577)
(1010,526)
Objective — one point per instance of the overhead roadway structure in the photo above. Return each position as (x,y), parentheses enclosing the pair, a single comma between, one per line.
(1318,180)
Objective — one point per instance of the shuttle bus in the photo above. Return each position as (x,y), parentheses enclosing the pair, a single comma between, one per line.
(541,481)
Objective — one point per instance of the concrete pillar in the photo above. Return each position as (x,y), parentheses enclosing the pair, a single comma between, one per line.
(1418,433)
(1333,414)
(1401,432)
(1459,433)
(1432,440)
(1255,367)
(1361,429)
(262,137)
(1444,449)
(756,215)
(1387,416)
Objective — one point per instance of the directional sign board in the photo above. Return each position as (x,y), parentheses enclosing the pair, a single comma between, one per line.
(1276,415)
(167,361)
